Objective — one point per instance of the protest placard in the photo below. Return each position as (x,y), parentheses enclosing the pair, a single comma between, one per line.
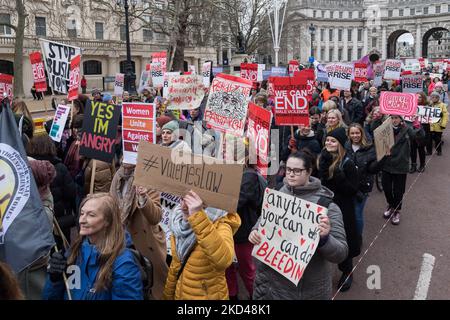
(168,204)
(206,73)
(396,103)
(412,65)
(249,71)
(165,170)
(412,84)
(226,109)
(360,74)
(185,92)
(119,84)
(422,63)
(138,123)
(278,72)
(217,70)
(259,121)
(157,75)
(74,78)
(160,57)
(378,70)
(294,66)
(289,228)
(321,73)
(261,69)
(59,122)
(37,65)
(57,63)
(425,115)
(6,85)
(167,75)
(392,69)
(100,125)
(145,81)
(340,75)
(384,139)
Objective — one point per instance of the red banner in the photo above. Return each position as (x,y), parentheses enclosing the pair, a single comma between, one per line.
(74,78)
(160,57)
(259,121)
(291,99)
(6,85)
(37,65)
(402,104)
(360,72)
(294,66)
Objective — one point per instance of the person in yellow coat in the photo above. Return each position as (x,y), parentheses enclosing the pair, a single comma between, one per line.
(439,127)
(202,249)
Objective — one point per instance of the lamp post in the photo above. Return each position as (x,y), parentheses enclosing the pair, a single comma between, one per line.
(276,26)
(130,76)
(312,32)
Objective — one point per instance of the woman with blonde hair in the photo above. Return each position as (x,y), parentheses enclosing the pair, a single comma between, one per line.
(107,269)
(21,112)
(338,173)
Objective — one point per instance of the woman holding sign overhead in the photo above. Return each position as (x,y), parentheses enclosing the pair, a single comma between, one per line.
(316,282)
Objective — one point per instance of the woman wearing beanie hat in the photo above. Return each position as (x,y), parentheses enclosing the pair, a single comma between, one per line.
(339,174)
(44,173)
(160,122)
(169,138)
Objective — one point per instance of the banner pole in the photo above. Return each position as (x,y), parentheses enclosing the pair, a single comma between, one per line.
(94,168)
(292,132)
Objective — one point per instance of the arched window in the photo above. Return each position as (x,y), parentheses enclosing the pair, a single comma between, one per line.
(92,67)
(6,67)
(123,65)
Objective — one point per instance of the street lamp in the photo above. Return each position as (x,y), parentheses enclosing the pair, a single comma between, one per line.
(276,27)
(130,76)
(312,32)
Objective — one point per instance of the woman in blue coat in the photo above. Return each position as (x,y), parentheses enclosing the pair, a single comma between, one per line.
(99,266)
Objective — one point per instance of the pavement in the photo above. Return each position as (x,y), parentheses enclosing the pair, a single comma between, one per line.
(42,108)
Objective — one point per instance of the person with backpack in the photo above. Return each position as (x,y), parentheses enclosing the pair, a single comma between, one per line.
(141,213)
(107,269)
(249,209)
(339,174)
(202,249)
(316,282)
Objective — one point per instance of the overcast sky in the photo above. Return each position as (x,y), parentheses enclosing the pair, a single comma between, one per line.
(406,37)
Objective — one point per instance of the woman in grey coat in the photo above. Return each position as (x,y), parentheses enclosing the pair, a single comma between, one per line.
(316,283)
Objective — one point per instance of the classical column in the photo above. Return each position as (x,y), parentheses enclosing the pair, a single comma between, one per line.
(355,44)
(365,38)
(229,49)
(345,56)
(418,41)
(327,45)
(336,45)
(318,44)
(383,43)
(220,45)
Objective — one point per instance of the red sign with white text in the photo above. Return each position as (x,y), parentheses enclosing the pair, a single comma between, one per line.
(395,103)
(6,85)
(74,78)
(259,121)
(294,66)
(360,72)
(37,65)
(160,57)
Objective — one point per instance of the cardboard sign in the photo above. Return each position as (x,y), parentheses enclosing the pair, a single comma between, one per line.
(384,139)
(57,63)
(168,204)
(206,73)
(360,72)
(75,78)
(249,71)
(226,109)
(185,92)
(59,122)
(100,131)
(289,229)
(291,100)
(402,104)
(259,121)
(392,69)
(321,73)
(294,66)
(6,85)
(340,75)
(160,57)
(278,72)
(138,123)
(157,75)
(119,84)
(163,169)
(425,115)
(412,84)
(37,65)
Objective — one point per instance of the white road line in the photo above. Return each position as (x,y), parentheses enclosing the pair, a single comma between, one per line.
(425,277)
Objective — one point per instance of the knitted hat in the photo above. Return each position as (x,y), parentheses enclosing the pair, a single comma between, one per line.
(434,93)
(172,126)
(340,134)
(107,97)
(163,120)
(44,173)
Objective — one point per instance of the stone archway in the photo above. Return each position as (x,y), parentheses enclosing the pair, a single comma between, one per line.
(392,42)
(426,38)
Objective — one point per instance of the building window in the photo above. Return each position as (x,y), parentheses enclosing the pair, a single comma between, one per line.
(148,35)
(390,13)
(340,35)
(123,65)
(322,53)
(322,35)
(330,34)
(400,12)
(349,54)
(349,35)
(5,18)
(360,34)
(438,9)
(41,27)
(314,13)
(425,10)
(72,29)
(123,36)
(340,55)
(412,11)
(331,54)
(341,14)
(99,30)
(92,67)
(359,53)
(374,42)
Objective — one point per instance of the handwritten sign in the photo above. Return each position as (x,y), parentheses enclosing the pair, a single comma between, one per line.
(426,115)
(226,109)
(167,76)
(402,104)
(74,79)
(259,121)
(412,84)
(168,204)
(100,131)
(185,92)
(206,73)
(166,170)
(119,84)
(59,122)
(384,139)
(392,69)
(6,85)
(37,65)
(340,75)
(138,123)
(289,229)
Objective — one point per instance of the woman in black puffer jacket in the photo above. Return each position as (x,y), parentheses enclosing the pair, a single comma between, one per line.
(42,147)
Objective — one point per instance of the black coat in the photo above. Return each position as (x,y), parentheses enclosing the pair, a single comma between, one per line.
(367,165)
(249,204)
(355,111)
(320,131)
(310,143)
(344,185)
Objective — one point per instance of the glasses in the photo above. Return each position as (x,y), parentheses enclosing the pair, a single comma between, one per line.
(296,171)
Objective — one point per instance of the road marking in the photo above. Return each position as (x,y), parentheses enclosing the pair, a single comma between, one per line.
(425,277)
